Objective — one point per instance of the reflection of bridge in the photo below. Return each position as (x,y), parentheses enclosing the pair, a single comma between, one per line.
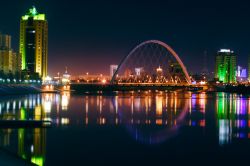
(152,63)
(93,88)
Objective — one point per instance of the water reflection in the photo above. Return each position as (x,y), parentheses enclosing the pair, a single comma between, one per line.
(32,144)
(151,117)
(232,116)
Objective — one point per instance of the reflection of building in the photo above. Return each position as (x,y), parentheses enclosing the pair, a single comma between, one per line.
(65,101)
(225,68)
(9,60)
(32,145)
(232,118)
(113,69)
(34,42)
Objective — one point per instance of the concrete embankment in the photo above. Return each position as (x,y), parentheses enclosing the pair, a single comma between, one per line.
(19,89)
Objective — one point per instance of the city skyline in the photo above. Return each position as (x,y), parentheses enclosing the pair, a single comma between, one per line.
(190,32)
(132,82)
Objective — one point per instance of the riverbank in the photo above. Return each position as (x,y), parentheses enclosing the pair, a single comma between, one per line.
(24,89)
(19,89)
(242,89)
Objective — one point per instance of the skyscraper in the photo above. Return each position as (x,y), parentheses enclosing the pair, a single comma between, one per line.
(249,68)
(34,43)
(225,68)
(113,69)
(5,42)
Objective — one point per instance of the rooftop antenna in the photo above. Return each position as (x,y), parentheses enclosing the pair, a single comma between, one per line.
(205,70)
(66,70)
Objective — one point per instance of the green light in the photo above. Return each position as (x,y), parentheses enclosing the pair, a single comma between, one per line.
(21,151)
(34,14)
(221,108)
(38,17)
(33,11)
(37,160)
(23,114)
(226,67)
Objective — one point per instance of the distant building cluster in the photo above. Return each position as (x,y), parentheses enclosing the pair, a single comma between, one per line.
(9,60)
(226,69)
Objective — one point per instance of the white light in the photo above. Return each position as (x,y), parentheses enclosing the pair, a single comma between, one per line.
(202,82)
(225,51)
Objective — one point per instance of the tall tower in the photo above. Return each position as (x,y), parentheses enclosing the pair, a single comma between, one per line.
(113,69)
(249,68)
(5,42)
(205,69)
(225,68)
(34,43)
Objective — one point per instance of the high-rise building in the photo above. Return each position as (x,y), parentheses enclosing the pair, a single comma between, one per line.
(249,68)
(5,42)
(225,68)
(10,61)
(241,74)
(34,43)
(113,69)
(139,71)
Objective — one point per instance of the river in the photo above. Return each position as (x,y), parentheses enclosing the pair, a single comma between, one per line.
(146,128)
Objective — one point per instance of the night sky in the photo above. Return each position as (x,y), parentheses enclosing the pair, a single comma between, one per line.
(88,36)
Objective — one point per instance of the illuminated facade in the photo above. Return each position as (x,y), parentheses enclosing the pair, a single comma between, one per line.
(138,71)
(113,69)
(34,42)
(225,68)
(249,68)
(10,62)
(5,41)
(241,74)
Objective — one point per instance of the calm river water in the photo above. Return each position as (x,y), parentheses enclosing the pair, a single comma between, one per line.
(146,128)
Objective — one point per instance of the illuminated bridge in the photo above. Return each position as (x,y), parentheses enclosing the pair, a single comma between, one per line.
(152,63)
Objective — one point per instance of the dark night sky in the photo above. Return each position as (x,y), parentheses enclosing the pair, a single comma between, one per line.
(88,36)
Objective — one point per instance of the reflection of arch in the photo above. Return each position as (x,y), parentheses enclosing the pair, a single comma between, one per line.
(163,45)
(155,136)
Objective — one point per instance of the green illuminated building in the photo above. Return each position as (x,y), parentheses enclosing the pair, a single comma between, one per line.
(225,68)
(34,42)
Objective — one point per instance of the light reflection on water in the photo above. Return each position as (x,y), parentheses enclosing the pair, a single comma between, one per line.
(163,113)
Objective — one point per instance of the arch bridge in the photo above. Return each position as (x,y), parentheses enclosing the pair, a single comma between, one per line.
(152,62)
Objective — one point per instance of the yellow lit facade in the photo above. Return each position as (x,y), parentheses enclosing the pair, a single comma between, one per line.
(9,60)
(34,42)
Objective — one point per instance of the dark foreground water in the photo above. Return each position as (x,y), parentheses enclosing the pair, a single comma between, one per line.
(130,129)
